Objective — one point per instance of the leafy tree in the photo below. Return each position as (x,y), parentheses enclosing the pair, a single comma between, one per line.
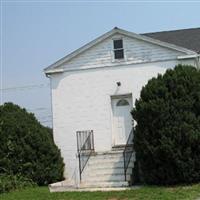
(27,147)
(167,134)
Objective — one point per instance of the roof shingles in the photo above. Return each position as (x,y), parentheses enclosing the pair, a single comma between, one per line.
(187,38)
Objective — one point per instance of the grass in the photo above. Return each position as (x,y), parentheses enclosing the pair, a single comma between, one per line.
(144,193)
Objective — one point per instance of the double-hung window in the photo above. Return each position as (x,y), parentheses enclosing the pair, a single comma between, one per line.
(118,49)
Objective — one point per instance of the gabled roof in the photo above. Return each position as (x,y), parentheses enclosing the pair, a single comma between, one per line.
(55,66)
(187,38)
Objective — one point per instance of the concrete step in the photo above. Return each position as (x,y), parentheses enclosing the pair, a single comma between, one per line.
(104,156)
(104,184)
(107,164)
(118,148)
(106,171)
(112,152)
(108,152)
(106,178)
(108,159)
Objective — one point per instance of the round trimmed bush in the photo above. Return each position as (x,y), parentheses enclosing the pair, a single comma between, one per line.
(27,147)
(167,134)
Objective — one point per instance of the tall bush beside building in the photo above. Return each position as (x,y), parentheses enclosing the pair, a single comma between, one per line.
(27,147)
(167,134)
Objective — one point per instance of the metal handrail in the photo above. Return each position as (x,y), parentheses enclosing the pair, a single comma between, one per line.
(128,151)
(85,147)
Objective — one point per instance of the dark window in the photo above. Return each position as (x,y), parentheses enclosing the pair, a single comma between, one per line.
(118,49)
(122,102)
(119,54)
(118,44)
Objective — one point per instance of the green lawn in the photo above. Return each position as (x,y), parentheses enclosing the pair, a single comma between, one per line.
(146,193)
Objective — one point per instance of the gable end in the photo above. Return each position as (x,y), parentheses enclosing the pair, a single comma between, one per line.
(100,52)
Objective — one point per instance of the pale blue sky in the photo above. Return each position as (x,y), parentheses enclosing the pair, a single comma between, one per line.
(36,34)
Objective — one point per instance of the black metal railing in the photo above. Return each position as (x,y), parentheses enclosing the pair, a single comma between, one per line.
(128,151)
(85,147)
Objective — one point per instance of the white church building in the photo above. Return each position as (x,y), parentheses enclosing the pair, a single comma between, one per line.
(93,92)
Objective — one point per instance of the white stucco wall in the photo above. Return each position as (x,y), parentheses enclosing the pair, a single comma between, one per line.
(81,100)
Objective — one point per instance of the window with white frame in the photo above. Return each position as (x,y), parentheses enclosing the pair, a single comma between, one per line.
(118,49)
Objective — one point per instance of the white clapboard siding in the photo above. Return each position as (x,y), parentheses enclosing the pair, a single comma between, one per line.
(135,50)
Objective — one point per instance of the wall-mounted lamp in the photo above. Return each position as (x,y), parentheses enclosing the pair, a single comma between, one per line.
(118,84)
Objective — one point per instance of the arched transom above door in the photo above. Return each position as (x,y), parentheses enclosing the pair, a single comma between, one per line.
(122,102)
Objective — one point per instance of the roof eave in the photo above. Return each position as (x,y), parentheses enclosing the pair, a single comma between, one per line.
(188,56)
(52,71)
(81,49)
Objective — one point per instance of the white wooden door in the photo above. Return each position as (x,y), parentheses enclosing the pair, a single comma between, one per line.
(122,120)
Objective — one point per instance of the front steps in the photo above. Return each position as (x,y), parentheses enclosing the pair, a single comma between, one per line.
(103,171)
(106,169)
